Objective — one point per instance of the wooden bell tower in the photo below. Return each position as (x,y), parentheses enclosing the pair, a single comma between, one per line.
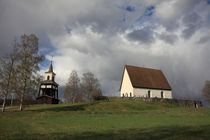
(48,91)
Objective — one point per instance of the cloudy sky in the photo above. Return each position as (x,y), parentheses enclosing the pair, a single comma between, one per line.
(102,36)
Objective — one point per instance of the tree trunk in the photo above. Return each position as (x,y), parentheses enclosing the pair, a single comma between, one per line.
(21,102)
(22,95)
(8,85)
(4,103)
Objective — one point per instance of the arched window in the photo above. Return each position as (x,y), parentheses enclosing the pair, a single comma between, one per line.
(149,94)
(161,94)
(48,77)
(53,78)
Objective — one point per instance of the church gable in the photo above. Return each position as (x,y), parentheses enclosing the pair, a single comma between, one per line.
(126,88)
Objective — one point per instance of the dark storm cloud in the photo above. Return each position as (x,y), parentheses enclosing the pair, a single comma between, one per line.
(170,12)
(189,31)
(144,35)
(192,22)
(168,38)
(203,40)
(192,18)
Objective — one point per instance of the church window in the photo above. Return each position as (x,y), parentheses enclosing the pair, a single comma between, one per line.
(161,94)
(149,94)
(48,77)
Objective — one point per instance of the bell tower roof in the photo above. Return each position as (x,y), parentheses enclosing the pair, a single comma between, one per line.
(50,69)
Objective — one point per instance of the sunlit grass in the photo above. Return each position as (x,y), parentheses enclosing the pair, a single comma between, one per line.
(116,119)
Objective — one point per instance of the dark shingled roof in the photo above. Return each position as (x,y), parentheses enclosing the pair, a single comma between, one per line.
(147,78)
(50,69)
(49,82)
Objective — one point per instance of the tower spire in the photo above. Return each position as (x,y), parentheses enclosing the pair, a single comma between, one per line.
(50,68)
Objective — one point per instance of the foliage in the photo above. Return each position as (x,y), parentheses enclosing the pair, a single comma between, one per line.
(116,119)
(95,94)
(79,98)
(77,91)
(19,70)
(89,84)
(206,91)
(7,74)
(28,64)
(72,88)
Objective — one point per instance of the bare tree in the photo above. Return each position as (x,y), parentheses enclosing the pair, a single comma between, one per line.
(6,75)
(28,64)
(79,98)
(72,87)
(95,94)
(206,91)
(89,83)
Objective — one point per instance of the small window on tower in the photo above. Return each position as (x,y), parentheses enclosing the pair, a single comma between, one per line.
(48,77)
(53,78)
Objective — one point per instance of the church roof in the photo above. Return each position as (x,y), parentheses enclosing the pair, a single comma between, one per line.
(50,69)
(49,82)
(147,78)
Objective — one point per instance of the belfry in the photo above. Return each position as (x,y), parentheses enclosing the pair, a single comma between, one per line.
(48,91)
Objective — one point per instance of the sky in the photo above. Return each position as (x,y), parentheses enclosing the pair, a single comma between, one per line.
(101,36)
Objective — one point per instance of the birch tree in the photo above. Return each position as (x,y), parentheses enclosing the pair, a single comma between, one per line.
(72,88)
(6,75)
(28,64)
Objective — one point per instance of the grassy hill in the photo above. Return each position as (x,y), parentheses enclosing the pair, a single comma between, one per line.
(116,119)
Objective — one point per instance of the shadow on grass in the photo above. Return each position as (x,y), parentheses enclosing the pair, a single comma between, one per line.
(73,107)
(192,133)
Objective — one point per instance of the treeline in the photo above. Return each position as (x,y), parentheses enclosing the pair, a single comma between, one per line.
(18,71)
(81,89)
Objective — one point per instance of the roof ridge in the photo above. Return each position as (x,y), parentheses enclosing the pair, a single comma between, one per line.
(143,67)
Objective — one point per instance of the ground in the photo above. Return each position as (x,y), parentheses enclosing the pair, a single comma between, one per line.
(116,119)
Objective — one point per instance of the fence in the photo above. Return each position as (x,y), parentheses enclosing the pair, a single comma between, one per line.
(179,102)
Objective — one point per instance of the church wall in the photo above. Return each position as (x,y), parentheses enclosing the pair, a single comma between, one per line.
(142,92)
(126,87)
(50,76)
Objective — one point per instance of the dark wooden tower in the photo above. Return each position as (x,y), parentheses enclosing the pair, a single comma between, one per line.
(48,91)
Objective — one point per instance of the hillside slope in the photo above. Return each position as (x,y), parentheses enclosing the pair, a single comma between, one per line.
(116,119)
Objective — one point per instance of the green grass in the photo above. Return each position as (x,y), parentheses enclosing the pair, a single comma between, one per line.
(116,119)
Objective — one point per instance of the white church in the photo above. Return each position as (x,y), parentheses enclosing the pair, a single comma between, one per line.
(144,82)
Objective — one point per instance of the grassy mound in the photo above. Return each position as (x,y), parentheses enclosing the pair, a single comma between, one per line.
(113,106)
(116,119)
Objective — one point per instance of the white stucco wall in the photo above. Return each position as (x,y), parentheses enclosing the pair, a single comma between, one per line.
(126,87)
(141,92)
